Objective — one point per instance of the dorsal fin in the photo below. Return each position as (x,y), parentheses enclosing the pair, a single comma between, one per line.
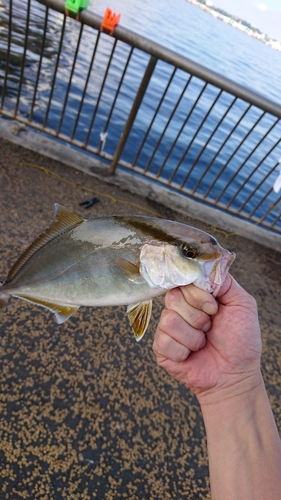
(64,221)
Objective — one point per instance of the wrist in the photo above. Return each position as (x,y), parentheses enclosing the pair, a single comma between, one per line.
(239,394)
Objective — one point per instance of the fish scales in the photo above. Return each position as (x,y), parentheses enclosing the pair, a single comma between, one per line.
(114,261)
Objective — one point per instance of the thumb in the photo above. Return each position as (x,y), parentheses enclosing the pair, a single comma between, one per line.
(231,292)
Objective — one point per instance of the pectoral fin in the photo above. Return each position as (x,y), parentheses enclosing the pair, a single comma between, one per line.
(139,316)
(61,311)
(130,270)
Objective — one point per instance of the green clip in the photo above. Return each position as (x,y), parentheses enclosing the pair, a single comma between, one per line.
(75,6)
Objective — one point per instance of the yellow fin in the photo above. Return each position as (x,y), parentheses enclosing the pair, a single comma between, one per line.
(61,311)
(129,269)
(139,316)
(64,220)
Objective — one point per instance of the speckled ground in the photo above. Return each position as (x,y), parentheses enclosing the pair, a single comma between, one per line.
(84,410)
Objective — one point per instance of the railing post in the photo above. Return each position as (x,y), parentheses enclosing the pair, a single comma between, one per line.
(137,102)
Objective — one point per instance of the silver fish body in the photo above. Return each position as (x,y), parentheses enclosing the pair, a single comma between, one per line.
(113,261)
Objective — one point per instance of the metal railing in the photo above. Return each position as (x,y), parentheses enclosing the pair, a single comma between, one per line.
(141,107)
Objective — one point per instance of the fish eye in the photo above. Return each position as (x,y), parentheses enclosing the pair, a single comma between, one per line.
(189,251)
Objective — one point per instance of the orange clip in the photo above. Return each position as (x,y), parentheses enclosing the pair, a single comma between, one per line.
(110,20)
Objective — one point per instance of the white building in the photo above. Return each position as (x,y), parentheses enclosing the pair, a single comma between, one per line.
(275,45)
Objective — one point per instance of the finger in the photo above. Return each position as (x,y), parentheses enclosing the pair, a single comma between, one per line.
(233,293)
(197,318)
(165,347)
(225,286)
(175,339)
(200,299)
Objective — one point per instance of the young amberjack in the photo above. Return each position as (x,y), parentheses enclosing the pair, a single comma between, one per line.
(117,260)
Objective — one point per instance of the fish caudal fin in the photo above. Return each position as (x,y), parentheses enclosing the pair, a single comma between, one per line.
(61,311)
(139,315)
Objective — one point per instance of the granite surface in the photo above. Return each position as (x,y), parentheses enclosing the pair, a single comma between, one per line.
(85,412)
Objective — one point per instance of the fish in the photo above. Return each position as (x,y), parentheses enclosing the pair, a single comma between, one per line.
(114,261)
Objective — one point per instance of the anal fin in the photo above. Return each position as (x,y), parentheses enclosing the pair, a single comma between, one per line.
(139,315)
(61,311)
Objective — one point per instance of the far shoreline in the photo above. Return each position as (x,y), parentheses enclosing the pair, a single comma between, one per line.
(235,22)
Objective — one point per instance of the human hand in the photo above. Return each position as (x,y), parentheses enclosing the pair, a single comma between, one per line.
(211,345)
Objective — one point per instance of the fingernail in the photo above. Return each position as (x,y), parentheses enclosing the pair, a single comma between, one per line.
(209,308)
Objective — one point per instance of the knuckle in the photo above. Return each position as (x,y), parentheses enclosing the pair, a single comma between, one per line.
(168,348)
(198,342)
(168,320)
(161,344)
(195,296)
(250,301)
(172,298)
(197,319)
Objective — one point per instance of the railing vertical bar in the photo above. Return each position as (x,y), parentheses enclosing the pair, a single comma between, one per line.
(40,64)
(208,142)
(85,87)
(269,210)
(137,102)
(257,188)
(263,180)
(257,166)
(55,73)
(70,78)
(165,128)
(261,201)
(194,135)
(164,131)
(278,217)
(179,133)
(117,93)
(100,94)
(220,149)
(234,153)
(7,64)
(23,57)
(154,117)
(193,139)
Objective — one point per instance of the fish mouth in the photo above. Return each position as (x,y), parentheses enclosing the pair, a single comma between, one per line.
(215,271)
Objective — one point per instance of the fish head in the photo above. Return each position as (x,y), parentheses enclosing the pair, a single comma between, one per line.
(193,256)
(214,270)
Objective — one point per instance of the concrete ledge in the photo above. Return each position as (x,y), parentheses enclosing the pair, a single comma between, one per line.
(17,133)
